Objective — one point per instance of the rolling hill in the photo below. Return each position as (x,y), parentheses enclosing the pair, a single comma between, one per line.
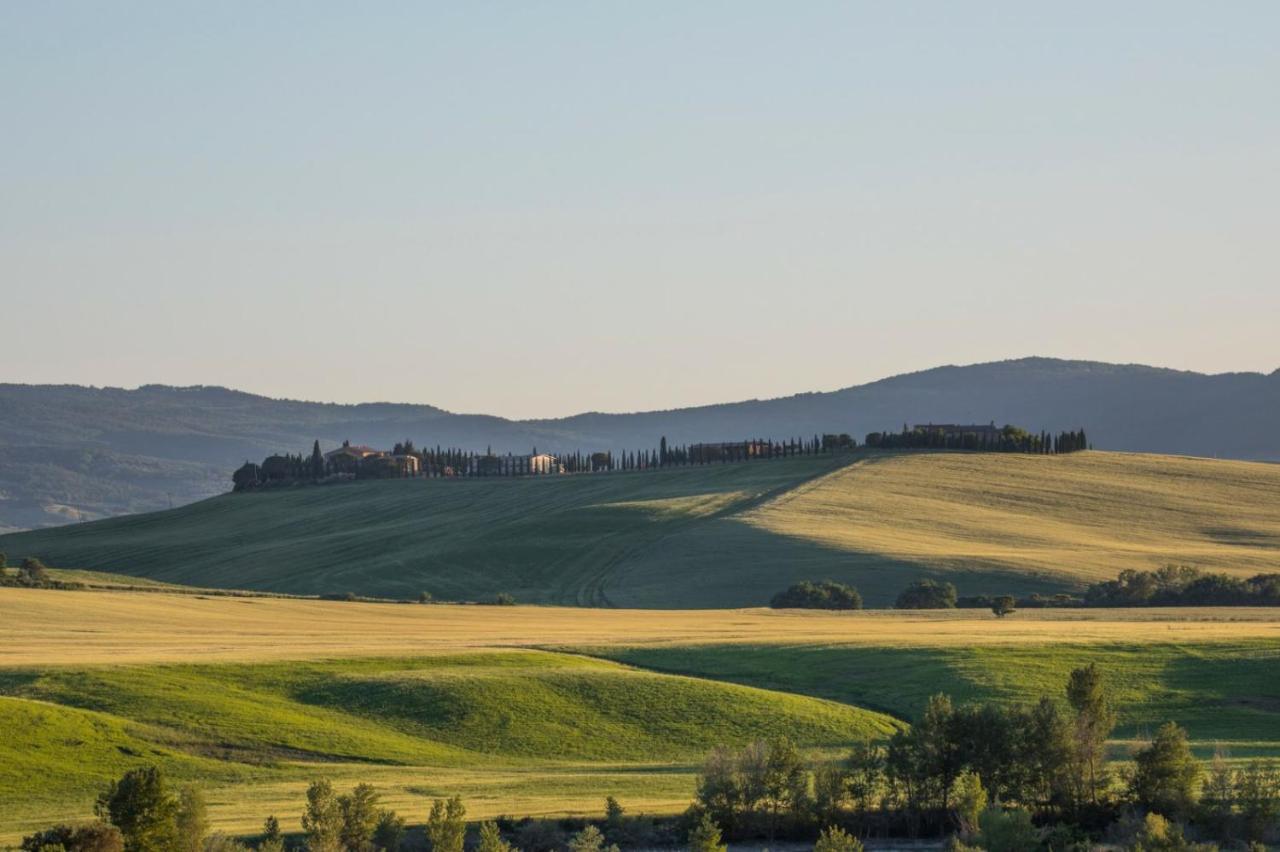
(711,536)
(70,453)
(540,710)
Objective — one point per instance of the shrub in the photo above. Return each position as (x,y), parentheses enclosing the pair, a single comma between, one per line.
(33,572)
(94,837)
(927,594)
(705,836)
(836,839)
(1004,605)
(1007,831)
(425,597)
(504,599)
(825,595)
(589,840)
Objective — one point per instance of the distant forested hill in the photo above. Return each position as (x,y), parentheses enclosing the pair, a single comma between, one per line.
(70,453)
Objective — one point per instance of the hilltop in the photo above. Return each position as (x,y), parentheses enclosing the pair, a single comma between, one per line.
(708,536)
(70,453)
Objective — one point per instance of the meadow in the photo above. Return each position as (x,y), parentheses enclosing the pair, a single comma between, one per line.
(709,536)
(545,710)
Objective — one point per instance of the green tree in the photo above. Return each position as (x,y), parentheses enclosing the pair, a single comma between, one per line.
(1094,722)
(143,809)
(1004,605)
(4,560)
(491,839)
(785,782)
(836,839)
(272,840)
(192,819)
(705,836)
(322,819)
(830,791)
(1258,794)
(970,801)
(718,786)
(1007,831)
(1166,774)
(613,814)
(446,825)
(388,834)
(927,594)
(359,815)
(590,839)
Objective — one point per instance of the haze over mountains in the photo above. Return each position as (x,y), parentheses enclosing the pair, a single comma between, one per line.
(69,453)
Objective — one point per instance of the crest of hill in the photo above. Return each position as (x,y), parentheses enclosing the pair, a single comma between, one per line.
(70,453)
(708,536)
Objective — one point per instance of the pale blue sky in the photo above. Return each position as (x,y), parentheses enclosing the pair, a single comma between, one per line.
(540,208)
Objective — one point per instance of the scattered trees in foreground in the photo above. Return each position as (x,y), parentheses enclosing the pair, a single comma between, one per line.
(825,595)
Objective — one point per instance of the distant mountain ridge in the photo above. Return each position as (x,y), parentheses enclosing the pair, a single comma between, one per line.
(69,452)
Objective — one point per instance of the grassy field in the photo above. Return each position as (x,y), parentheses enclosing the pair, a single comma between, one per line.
(720,535)
(252,697)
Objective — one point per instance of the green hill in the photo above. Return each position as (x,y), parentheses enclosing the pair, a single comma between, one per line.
(243,725)
(720,535)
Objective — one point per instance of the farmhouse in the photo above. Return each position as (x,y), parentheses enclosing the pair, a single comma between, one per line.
(346,459)
(508,465)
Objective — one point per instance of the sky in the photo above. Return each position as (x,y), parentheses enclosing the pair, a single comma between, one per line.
(535,209)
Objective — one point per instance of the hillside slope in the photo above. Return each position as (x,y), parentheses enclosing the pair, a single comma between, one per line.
(72,453)
(715,536)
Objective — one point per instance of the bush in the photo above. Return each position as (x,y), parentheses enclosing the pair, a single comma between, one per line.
(825,595)
(33,572)
(927,594)
(705,836)
(836,839)
(425,598)
(1007,831)
(504,599)
(94,837)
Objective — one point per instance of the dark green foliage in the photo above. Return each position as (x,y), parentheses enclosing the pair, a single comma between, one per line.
(322,818)
(504,599)
(1004,605)
(192,820)
(360,816)
(1166,774)
(94,837)
(1094,722)
(755,787)
(705,836)
(143,809)
(1007,830)
(388,833)
(927,594)
(825,595)
(446,825)
(1183,585)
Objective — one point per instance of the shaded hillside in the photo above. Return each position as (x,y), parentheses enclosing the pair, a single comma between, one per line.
(714,536)
(70,453)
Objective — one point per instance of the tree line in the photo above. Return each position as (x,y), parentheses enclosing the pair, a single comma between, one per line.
(1010,439)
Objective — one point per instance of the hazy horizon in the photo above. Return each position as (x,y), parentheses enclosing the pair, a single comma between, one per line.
(534,212)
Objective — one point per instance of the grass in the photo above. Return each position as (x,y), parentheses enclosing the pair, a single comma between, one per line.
(252,697)
(713,536)
(511,714)
(1222,692)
